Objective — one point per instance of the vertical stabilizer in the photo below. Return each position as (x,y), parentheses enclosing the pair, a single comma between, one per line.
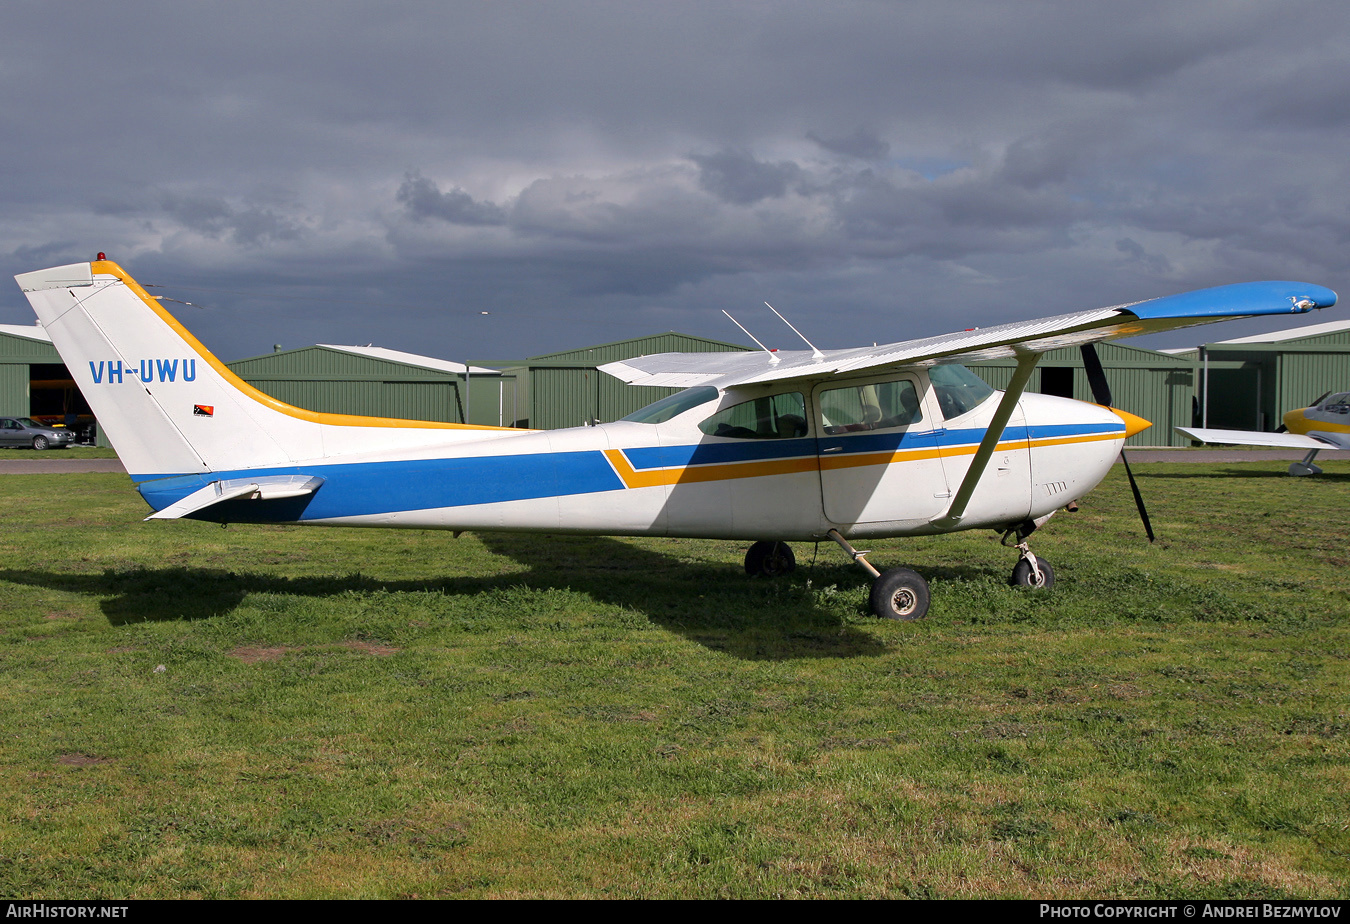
(169,407)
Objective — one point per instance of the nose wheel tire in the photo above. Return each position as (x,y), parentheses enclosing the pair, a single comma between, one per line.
(770,559)
(1023,576)
(899,593)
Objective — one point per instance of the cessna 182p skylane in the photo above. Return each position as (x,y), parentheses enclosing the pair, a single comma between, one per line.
(891,440)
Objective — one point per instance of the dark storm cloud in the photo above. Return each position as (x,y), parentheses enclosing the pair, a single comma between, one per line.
(216,218)
(622,165)
(424,199)
(737,177)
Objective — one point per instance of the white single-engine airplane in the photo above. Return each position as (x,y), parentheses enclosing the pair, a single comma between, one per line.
(1323,425)
(892,440)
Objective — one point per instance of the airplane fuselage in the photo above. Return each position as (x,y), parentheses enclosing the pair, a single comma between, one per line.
(1330,415)
(819,463)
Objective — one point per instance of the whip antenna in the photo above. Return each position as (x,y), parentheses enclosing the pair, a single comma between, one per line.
(772,357)
(815,353)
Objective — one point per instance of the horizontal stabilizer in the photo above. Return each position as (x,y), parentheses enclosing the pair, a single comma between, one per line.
(270,487)
(1272,440)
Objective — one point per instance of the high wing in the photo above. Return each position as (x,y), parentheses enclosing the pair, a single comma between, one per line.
(1318,439)
(1204,306)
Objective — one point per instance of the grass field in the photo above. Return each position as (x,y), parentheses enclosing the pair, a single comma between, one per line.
(262,711)
(71,452)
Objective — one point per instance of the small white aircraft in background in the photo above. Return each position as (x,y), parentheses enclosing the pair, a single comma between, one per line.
(1323,425)
(891,440)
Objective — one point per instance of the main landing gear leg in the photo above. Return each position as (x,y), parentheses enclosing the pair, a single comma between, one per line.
(1306,467)
(897,593)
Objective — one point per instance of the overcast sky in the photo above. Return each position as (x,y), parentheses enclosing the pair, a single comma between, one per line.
(590,171)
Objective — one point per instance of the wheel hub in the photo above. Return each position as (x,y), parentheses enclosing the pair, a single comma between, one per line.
(903,601)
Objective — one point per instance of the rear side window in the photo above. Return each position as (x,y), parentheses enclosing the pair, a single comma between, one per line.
(878,406)
(773,417)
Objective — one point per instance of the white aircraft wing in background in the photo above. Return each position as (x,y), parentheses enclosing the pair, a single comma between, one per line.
(1271,440)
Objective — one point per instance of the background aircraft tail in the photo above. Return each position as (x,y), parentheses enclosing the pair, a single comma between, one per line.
(170,407)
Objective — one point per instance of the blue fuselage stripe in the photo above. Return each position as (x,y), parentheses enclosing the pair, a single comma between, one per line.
(367,488)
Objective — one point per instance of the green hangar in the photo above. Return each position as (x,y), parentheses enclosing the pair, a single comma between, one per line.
(1245,383)
(1250,382)
(377,382)
(566,390)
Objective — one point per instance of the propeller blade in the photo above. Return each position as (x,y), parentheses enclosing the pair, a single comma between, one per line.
(1101,391)
(1138,498)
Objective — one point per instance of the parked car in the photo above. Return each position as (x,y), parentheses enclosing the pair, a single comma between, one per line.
(24,431)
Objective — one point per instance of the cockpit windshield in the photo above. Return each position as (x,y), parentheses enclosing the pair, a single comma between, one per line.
(673,405)
(1336,404)
(958,390)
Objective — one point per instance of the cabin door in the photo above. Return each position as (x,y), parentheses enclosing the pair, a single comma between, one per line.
(879,458)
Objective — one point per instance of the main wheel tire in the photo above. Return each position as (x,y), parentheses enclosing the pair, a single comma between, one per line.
(1022,575)
(39,443)
(769,559)
(900,593)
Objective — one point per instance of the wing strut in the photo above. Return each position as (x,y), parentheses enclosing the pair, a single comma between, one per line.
(1026,362)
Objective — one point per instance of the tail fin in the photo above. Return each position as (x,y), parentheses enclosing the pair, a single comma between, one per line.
(169,407)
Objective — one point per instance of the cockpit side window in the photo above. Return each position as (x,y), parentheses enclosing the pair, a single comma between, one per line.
(958,390)
(772,417)
(673,405)
(877,406)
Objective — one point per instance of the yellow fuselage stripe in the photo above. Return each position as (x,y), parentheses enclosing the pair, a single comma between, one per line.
(726,470)
(695,473)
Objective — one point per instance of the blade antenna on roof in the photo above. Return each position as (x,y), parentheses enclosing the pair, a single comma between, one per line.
(772,357)
(815,353)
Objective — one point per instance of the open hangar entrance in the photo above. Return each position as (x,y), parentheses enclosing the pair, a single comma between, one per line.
(35,383)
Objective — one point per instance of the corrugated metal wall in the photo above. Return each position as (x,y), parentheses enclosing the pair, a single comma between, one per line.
(17,354)
(669,342)
(405,400)
(1302,377)
(1252,385)
(320,361)
(338,382)
(566,389)
(14,389)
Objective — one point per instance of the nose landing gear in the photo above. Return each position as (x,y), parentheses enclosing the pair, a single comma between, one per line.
(1030,570)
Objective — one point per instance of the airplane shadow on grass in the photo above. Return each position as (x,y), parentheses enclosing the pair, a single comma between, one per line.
(713,604)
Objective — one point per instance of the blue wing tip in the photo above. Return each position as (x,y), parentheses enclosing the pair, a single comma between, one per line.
(1243,298)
